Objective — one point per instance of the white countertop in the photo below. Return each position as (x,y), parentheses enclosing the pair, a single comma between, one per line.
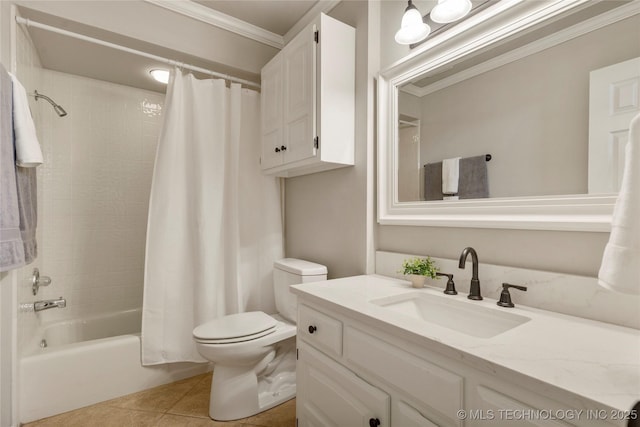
(592,360)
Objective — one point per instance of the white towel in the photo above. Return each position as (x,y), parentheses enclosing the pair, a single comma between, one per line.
(620,268)
(28,152)
(450,175)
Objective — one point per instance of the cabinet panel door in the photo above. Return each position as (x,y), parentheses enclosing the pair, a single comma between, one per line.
(330,395)
(272,136)
(406,416)
(299,64)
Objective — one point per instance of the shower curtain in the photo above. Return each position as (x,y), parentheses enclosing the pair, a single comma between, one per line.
(214,225)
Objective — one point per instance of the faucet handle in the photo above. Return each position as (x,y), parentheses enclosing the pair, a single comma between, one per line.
(505,296)
(451,286)
(37,281)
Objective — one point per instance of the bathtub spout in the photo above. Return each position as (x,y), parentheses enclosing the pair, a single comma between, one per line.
(49,303)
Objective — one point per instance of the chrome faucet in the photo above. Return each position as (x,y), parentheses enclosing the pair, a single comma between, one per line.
(474,292)
(49,303)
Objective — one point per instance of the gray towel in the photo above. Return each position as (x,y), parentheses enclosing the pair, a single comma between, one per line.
(11,245)
(433,181)
(28,209)
(473,182)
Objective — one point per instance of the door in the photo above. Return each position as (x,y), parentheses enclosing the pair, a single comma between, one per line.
(272,136)
(409,161)
(614,95)
(330,395)
(299,64)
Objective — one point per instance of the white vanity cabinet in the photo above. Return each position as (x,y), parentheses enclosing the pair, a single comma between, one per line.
(308,101)
(353,373)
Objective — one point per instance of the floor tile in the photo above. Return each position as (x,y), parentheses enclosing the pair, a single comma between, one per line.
(170,420)
(100,416)
(196,402)
(157,399)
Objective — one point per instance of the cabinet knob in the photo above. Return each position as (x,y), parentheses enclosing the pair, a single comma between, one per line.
(312,329)
(283,147)
(277,150)
(374,422)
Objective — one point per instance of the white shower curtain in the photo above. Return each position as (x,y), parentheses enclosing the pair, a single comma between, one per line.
(214,225)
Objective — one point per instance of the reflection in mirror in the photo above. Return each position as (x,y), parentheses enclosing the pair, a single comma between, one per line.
(551,108)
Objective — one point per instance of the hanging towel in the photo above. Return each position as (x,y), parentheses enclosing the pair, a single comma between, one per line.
(450,175)
(620,268)
(11,245)
(433,181)
(473,181)
(28,152)
(26,182)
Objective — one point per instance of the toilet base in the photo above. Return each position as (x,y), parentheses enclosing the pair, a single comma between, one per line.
(239,392)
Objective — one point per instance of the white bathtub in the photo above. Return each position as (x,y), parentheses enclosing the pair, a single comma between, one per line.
(84,363)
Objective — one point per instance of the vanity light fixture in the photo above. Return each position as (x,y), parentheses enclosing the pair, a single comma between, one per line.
(160,75)
(412,29)
(450,10)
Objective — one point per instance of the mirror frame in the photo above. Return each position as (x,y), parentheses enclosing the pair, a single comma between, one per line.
(504,19)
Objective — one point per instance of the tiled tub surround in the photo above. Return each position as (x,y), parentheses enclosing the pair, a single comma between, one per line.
(581,363)
(578,296)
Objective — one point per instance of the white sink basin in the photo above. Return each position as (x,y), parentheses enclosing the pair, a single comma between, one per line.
(461,316)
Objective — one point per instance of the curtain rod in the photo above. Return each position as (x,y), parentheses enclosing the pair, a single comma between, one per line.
(30,23)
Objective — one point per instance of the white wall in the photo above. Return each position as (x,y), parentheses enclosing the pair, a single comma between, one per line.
(326,213)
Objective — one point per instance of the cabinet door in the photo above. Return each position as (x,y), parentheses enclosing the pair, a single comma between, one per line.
(330,395)
(299,67)
(272,136)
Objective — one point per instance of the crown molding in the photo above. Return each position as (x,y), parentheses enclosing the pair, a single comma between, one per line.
(221,20)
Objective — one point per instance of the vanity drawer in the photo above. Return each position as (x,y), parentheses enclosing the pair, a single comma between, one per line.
(321,331)
(432,386)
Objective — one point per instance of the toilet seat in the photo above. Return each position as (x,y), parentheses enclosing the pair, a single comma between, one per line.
(235,328)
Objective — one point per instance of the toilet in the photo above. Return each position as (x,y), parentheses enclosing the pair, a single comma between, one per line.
(254,353)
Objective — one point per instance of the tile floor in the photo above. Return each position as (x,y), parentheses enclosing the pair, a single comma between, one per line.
(183,403)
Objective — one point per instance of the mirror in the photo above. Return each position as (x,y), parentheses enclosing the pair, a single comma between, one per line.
(509,95)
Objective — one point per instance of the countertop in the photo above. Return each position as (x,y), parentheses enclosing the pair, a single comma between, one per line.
(590,359)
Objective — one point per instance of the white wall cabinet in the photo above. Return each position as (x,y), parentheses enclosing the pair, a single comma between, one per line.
(308,101)
(350,374)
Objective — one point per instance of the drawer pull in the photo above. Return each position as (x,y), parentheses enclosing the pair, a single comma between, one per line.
(312,329)
(374,422)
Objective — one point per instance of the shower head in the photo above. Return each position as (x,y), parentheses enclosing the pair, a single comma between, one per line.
(56,107)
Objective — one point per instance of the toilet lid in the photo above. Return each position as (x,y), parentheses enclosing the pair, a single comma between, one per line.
(236,326)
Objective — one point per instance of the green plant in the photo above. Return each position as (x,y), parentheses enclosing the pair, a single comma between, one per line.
(421,266)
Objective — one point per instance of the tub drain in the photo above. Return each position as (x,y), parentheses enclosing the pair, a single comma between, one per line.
(43,343)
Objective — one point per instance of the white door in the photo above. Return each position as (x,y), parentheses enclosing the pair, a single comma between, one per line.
(330,395)
(272,136)
(299,97)
(614,95)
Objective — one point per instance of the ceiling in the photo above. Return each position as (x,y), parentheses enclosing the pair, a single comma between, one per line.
(223,52)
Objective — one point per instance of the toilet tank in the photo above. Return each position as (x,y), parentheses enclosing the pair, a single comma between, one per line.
(291,271)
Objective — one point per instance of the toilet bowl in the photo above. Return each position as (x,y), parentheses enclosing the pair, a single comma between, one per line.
(253,352)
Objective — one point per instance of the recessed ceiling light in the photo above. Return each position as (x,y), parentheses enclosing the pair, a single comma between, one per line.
(159,75)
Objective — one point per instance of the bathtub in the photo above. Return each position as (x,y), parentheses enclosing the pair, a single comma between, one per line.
(87,361)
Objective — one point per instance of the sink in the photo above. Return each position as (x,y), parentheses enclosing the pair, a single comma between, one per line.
(461,316)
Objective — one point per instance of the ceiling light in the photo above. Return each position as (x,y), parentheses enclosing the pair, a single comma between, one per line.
(413,29)
(450,10)
(159,75)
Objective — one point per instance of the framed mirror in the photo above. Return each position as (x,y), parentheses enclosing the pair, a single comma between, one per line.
(529,100)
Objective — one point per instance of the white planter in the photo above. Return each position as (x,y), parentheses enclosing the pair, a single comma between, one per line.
(417,280)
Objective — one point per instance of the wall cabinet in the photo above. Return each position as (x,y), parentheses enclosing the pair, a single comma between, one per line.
(350,374)
(308,101)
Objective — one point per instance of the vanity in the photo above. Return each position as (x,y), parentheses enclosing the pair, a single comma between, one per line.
(374,351)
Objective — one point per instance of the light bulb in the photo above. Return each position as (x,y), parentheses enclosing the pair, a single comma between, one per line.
(450,10)
(412,29)
(159,75)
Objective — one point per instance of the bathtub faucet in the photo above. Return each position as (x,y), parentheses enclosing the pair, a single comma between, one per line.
(49,303)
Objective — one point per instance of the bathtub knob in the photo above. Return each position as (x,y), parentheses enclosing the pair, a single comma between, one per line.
(312,329)
(37,281)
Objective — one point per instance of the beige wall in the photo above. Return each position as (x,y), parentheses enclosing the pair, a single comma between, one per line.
(566,252)
(325,213)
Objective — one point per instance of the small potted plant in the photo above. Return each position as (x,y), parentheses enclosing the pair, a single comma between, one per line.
(418,269)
